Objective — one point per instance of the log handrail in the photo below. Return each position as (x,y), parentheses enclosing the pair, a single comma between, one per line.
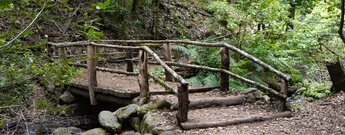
(206,44)
(198,43)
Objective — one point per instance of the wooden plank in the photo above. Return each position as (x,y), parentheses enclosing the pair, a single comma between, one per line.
(113,92)
(167,57)
(225,64)
(91,73)
(143,78)
(183,103)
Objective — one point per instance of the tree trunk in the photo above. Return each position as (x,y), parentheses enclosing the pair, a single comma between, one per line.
(336,72)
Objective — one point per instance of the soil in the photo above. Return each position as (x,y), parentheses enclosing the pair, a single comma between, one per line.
(326,116)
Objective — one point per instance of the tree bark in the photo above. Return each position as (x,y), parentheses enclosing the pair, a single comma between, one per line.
(214,101)
(91,68)
(341,25)
(183,103)
(143,78)
(336,72)
(225,64)
(167,57)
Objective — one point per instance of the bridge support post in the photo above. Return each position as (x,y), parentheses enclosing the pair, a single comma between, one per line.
(183,103)
(283,90)
(167,57)
(62,53)
(143,77)
(129,61)
(225,63)
(91,73)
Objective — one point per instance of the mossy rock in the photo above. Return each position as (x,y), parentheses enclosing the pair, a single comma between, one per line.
(66,131)
(124,113)
(95,131)
(110,122)
(150,121)
(142,110)
(135,123)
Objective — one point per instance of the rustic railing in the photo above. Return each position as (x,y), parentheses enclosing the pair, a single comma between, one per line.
(182,91)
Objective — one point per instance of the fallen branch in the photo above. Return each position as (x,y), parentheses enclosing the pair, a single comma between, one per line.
(32,22)
(162,83)
(256,118)
(213,101)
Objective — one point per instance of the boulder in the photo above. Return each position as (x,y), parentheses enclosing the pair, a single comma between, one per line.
(95,131)
(163,104)
(67,97)
(124,113)
(110,122)
(135,123)
(130,133)
(67,131)
(150,121)
(142,110)
(160,130)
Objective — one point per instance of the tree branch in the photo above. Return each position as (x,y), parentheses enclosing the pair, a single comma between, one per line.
(32,22)
(341,25)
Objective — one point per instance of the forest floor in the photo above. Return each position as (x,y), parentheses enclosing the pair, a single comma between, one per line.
(325,116)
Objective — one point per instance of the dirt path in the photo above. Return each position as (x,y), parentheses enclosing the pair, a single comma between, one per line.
(322,117)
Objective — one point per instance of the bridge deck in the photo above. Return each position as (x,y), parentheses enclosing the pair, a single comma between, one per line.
(121,86)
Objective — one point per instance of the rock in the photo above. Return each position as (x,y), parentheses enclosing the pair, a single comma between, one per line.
(95,131)
(66,131)
(125,112)
(249,90)
(150,121)
(160,130)
(163,104)
(135,123)
(266,98)
(130,133)
(142,110)
(109,121)
(67,97)
(167,133)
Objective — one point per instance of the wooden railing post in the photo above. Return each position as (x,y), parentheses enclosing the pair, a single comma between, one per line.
(167,57)
(283,90)
(129,61)
(91,72)
(62,53)
(143,77)
(225,63)
(183,103)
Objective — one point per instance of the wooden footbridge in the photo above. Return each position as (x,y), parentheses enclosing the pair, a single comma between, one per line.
(140,81)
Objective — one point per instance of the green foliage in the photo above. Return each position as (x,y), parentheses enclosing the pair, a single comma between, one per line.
(2,122)
(315,90)
(46,105)
(56,73)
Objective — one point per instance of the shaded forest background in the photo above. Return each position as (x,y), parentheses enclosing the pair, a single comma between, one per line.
(295,36)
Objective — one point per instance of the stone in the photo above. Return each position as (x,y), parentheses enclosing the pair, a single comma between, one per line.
(67,97)
(249,90)
(150,121)
(95,131)
(162,129)
(142,110)
(66,131)
(110,122)
(163,104)
(135,123)
(130,133)
(124,113)
(167,133)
